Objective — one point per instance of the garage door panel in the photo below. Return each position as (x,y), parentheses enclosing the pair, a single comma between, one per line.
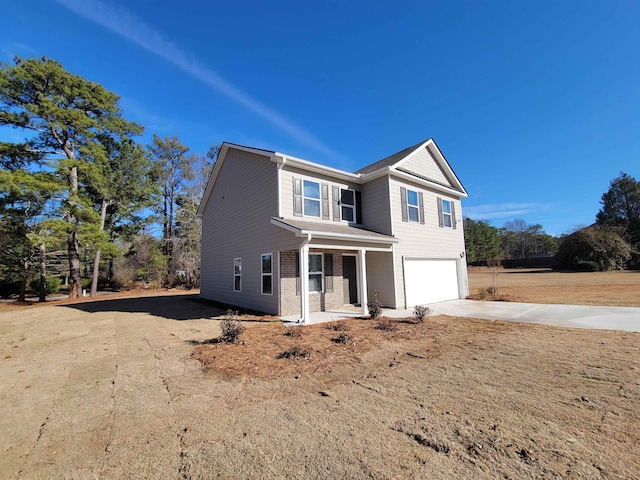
(430,281)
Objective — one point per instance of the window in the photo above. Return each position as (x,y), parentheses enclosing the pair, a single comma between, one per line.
(315,272)
(347,205)
(413,206)
(446,213)
(267,274)
(311,200)
(237,274)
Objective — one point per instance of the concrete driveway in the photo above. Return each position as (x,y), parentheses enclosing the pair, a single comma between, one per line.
(580,316)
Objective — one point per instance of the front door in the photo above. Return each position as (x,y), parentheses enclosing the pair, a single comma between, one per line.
(349,279)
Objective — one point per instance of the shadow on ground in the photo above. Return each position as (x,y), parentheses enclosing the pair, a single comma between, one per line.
(172,307)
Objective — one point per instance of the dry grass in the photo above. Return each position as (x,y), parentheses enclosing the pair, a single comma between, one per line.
(618,288)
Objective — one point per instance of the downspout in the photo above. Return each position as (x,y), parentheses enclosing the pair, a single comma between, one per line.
(304,280)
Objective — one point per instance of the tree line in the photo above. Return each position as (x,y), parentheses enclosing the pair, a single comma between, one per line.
(80,195)
(612,242)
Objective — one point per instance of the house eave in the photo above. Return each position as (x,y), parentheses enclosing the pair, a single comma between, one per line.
(319,234)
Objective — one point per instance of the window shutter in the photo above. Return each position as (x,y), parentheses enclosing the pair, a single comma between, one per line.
(328,272)
(297,197)
(403,203)
(325,201)
(440,219)
(453,215)
(297,273)
(421,207)
(336,203)
(358,207)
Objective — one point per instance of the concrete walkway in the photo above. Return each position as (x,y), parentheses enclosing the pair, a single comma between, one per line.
(578,316)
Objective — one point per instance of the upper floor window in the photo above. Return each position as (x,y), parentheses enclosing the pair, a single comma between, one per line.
(311,198)
(267,273)
(237,274)
(348,205)
(446,213)
(413,206)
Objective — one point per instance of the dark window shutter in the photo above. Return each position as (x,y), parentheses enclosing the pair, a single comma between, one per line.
(403,203)
(453,215)
(421,207)
(336,203)
(325,201)
(440,218)
(358,207)
(297,197)
(328,272)
(297,273)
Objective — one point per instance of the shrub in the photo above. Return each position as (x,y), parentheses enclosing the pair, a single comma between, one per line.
(52,285)
(375,306)
(336,326)
(343,337)
(385,324)
(421,311)
(295,352)
(231,327)
(595,246)
(293,332)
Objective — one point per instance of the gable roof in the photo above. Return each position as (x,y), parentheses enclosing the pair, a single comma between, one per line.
(388,165)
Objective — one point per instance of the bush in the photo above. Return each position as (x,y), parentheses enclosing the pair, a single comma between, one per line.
(336,326)
(52,285)
(596,247)
(343,337)
(385,324)
(231,327)
(421,311)
(295,352)
(375,306)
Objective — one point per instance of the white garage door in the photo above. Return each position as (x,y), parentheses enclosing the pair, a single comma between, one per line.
(429,281)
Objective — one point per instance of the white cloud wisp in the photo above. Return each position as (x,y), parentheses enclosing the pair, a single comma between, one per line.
(122,22)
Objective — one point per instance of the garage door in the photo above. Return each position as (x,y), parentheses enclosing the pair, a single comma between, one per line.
(429,281)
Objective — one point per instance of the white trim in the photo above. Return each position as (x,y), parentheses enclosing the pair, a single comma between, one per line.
(262,274)
(319,199)
(351,247)
(363,281)
(321,272)
(237,274)
(444,214)
(428,184)
(352,207)
(317,168)
(410,206)
(327,235)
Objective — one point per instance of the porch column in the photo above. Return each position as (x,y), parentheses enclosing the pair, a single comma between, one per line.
(304,284)
(363,281)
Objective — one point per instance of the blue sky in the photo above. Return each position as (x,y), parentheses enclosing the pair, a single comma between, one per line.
(535,104)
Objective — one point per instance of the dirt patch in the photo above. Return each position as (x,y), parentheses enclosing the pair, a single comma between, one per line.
(618,288)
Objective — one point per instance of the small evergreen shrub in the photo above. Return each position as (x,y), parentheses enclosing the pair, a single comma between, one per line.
(421,311)
(336,326)
(52,285)
(375,306)
(231,327)
(295,352)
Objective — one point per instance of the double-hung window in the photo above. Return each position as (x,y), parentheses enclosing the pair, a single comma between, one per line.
(237,274)
(315,272)
(267,273)
(413,206)
(348,205)
(446,213)
(311,200)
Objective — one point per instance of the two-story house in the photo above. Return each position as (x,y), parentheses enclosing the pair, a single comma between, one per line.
(288,236)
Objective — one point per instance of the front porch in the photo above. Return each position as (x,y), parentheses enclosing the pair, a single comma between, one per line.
(328,272)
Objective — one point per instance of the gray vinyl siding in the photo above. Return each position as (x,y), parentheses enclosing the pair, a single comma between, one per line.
(236,223)
(423,164)
(380,277)
(376,214)
(423,241)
